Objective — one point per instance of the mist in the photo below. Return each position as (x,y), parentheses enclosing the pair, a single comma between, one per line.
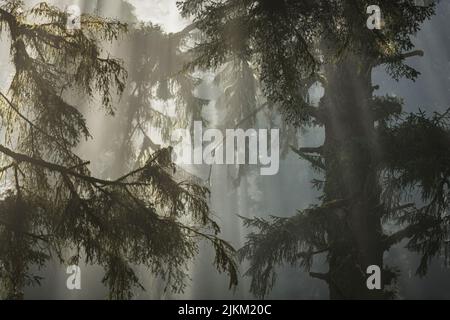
(236,195)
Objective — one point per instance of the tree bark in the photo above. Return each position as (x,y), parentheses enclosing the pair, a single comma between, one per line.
(349,153)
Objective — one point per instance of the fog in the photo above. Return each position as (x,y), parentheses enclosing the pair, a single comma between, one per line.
(280,195)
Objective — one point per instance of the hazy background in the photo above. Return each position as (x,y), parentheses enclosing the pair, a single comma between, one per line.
(279,195)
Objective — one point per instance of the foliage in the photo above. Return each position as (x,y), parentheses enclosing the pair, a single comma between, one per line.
(156,79)
(52,204)
(290,40)
(293,44)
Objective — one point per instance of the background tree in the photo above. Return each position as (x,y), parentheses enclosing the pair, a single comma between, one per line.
(241,105)
(159,94)
(53,205)
(374,156)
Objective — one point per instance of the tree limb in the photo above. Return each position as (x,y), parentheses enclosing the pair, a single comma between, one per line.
(18,157)
(317,150)
(405,233)
(401,57)
(321,276)
(185,31)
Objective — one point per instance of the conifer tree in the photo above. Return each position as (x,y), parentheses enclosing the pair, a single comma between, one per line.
(374,155)
(52,206)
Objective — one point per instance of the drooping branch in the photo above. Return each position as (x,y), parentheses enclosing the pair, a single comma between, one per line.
(400,236)
(408,232)
(315,160)
(19,157)
(34,126)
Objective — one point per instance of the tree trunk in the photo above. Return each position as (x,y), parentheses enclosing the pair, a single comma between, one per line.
(349,154)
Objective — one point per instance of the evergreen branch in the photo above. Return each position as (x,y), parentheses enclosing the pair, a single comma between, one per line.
(316,161)
(10,227)
(188,29)
(19,157)
(409,232)
(32,125)
(401,57)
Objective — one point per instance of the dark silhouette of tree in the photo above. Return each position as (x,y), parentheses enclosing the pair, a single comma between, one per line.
(374,156)
(52,205)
